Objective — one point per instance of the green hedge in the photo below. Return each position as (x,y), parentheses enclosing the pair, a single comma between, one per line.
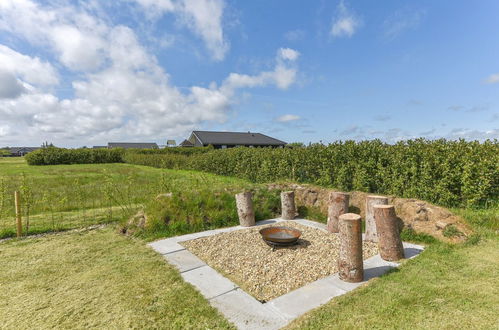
(450,173)
(54,156)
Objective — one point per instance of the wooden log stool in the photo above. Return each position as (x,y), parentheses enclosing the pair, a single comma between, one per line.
(350,262)
(389,242)
(288,209)
(338,205)
(371,201)
(245,210)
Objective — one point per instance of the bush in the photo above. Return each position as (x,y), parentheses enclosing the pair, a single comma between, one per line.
(54,156)
(450,173)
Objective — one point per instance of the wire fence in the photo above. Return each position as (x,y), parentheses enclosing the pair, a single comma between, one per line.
(74,204)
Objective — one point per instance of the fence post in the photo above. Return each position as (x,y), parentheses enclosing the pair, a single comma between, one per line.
(19,222)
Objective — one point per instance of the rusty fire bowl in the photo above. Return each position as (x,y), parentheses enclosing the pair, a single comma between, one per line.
(280,235)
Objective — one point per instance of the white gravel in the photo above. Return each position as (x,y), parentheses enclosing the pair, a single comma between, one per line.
(247,260)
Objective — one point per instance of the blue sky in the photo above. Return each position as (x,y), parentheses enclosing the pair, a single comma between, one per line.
(89,72)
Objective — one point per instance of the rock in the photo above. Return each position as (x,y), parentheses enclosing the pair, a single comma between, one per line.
(138,221)
(441,225)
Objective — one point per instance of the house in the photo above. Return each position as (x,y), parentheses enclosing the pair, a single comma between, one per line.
(21,151)
(132,145)
(99,147)
(222,140)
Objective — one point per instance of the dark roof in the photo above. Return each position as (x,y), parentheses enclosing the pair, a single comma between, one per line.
(186,143)
(129,145)
(16,150)
(236,138)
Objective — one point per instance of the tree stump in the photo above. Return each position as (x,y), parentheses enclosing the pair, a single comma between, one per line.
(371,201)
(245,211)
(338,205)
(350,262)
(389,242)
(288,209)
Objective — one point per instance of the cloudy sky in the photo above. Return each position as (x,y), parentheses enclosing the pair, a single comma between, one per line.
(88,72)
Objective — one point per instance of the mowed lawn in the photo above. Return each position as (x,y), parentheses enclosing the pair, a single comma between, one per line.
(95,279)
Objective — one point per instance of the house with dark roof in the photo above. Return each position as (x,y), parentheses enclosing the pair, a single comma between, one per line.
(21,151)
(132,145)
(222,140)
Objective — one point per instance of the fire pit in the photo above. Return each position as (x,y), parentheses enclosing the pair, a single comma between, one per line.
(280,236)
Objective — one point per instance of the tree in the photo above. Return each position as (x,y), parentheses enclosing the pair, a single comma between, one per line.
(4,152)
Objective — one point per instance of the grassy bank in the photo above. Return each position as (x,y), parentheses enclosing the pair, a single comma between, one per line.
(96,279)
(60,197)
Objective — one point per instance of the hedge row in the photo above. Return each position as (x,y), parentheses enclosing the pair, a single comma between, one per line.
(54,156)
(450,173)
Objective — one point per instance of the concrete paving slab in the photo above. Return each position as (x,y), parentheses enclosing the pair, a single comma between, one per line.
(184,260)
(312,224)
(299,301)
(268,222)
(246,312)
(208,281)
(166,246)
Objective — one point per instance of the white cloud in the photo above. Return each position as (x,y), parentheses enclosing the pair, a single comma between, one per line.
(123,94)
(345,24)
(287,118)
(203,17)
(30,69)
(283,75)
(288,54)
(295,35)
(493,79)
(10,87)
(401,21)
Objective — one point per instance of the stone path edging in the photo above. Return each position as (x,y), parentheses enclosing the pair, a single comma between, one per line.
(241,308)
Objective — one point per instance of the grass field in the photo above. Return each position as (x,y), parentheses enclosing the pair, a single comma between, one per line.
(96,279)
(62,197)
(102,279)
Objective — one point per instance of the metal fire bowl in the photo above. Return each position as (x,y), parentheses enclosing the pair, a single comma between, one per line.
(280,235)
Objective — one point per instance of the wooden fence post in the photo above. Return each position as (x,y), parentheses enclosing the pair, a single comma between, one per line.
(19,222)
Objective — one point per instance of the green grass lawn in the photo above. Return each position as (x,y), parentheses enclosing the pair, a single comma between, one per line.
(95,279)
(105,280)
(446,287)
(71,196)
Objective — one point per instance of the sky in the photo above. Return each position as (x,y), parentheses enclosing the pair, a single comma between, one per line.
(84,73)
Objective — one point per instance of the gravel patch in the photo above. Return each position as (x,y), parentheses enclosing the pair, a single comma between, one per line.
(247,260)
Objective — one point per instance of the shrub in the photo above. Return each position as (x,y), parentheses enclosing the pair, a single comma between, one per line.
(450,173)
(54,156)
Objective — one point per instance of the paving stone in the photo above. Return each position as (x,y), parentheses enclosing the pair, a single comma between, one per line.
(184,260)
(312,224)
(300,301)
(208,281)
(246,312)
(166,246)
